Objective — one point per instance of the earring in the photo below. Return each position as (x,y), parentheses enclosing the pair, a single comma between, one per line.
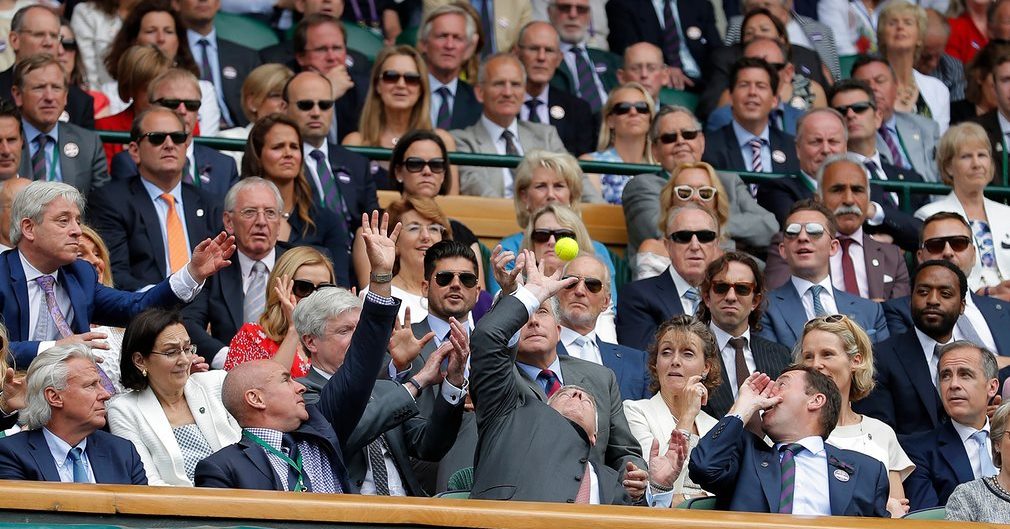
(143,372)
(704,376)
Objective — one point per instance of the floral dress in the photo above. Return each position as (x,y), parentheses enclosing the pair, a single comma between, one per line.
(252,343)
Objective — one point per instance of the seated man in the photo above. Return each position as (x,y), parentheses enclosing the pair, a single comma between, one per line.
(643,64)
(586,72)
(801,474)
(63,419)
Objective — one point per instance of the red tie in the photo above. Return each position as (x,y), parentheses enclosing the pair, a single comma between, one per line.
(583,495)
(848,268)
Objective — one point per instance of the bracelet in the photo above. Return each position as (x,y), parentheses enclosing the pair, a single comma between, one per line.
(659,488)
(413,381)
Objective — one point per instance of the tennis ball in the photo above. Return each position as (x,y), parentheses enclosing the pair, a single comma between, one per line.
(566,248)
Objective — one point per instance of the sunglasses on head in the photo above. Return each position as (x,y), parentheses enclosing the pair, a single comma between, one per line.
(815,230)
(671,137)
(443,278)
(393,77)
(593,284)
(685,236)
(705,193)
(833,318)
(191,105)
(306,105)
(858,108)
(416,165)
(624,107)
(157,138)
(743,288)
(303,289)
(958,243)
(544,235)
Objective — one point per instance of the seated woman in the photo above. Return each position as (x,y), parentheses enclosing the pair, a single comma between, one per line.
(684,366)
(138,66)
(837,347)
(297,273)
(624,137)
(963,157)
(262,95)
(174,419)
(987,499)
(980,90)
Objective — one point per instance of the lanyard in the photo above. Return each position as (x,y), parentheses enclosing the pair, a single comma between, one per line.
(901,144)
(296,465)
(54,159)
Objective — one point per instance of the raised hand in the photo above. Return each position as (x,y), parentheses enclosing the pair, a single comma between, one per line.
(12,392)
(286,297)
(198,364)
(380,242)
(211,255)
(541,285)
(508,280)
(92,339)
(755,394)
(665,469)
(456,373)
(431,372)
(693,396)
(403,346)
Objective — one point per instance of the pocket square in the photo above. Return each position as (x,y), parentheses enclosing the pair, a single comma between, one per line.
(888,279)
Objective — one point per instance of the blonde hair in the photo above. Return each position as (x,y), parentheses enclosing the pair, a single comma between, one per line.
(261,81)
(721,209)
(606,139)
(895,8)
(997,428)
(103,253)
(561,163)
(137,67)
(568,218)
(953,140)
(373,113)
(274,324)
(854,341)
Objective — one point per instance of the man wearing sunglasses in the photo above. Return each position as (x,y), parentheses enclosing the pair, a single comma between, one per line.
(808,243)
(586,72)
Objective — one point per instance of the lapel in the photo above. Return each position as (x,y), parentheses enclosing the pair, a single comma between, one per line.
(732,144)
(231,291)
(533,385)
(777,144)
(20,285)
(26,159)
(792,309)
(154,415)
(763,358)
(152,226)
(258,457)
(839,492)
(769,471)
(669,297)
(951,449)
(75,292)
(196,213)
(567,80)
(342,174)
(913,361)
(911,139)
(420,329)
(873,252)
(721,400)
(571,374)
(100,453)
(39,450)
(995,317)
(199,404)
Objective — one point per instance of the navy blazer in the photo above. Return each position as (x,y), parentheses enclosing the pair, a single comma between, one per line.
(244,465)
(80,106)
(578,125)
(723,116)
(217,171)
(642,306)
(124,215)
(114,460)
(633,21)
(898,312)
(91,301)
(729,459)
(237,60)
(784,316)
(466,110)
(722,150)
(941,464)
(628,365)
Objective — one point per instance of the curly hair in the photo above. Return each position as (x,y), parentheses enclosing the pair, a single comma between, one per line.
(685,327)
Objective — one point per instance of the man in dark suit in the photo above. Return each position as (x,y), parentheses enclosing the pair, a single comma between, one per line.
(732,293)
(153,222)
(692,242)
(36,29)
(578,308)
(539,50)
(750,143)
(392,429)
(443,39)
(63,419)
(284,51)
(51,296)
(800,409)
(588,73)
(995,122)
(270,406)
(809,241)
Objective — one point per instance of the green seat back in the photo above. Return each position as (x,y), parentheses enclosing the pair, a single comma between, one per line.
(461,480)
(845,63)
(669,96)
(363,41)
(246,31)
(706,503)
(936,513)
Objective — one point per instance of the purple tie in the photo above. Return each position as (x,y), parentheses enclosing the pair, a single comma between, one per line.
(587,81)
(892,145)
(444,116)
(332,198)
(788,464)
(671,36)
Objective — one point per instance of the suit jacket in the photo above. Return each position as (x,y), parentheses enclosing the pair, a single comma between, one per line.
(919,137)
(139,417)
(722,150)
(643,305)
(941,463)
(769,357)
(577,125)
(633,21)
(91,301)
(784,317)
(990,122)
(820,36)
(735,464)
(238,61)
(999,224)
(898,312)
(628,365)
(331,421)
(604,63)
(489,181)
(466,110)
(515,424)
(217,172)
(124,215)
(723,116)
(87,169)
(114,461)
(509,18)
(80,106)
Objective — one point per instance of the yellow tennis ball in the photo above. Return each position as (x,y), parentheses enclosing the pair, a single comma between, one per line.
(566,248)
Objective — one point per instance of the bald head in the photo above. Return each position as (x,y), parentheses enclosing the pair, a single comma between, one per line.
(262,394)
(643,63)
(242,378)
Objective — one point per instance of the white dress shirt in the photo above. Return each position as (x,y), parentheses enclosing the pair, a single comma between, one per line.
(682,287)
(310,163)
(928,349)
(802,287)
(729,355)
(59,449)
(858,261)
(971,447)
(495,132)
(436,99)
(810,495)
(589,352)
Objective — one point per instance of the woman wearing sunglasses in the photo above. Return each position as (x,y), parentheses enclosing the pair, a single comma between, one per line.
(399,102)
(262,95)
(684,367)
(138,66)
(839,348)
(624,137)
(964,159)
(174,418)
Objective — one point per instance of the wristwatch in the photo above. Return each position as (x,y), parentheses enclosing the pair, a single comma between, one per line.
(381,278)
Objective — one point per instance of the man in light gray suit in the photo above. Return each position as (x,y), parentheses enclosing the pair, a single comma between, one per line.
(501,88)
(54,151)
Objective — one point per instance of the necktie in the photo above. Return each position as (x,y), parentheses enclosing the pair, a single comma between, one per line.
(984,465)
(848,267)
(788,464)
(80,471)
(587,346)
(587,80)
(550,382)
(755,155)
(742,371)
(967,331)
(256,293)
(187,173)
(892,145)
(205,72)
(378,462)
(815,292)
(510,145)
(178,254)
(934,363)
(39,158)
(692,295)
(332,198)
(671,36)
(874,170)
(533,105)
(444,116)
(487,23)
(290,447)
(584,487)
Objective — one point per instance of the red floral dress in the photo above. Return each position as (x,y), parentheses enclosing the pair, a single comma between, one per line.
(251,343)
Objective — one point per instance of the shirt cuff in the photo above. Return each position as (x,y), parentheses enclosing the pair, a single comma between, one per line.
(658,499)
(219,359)
(398,376)
(45,345)
(183,285)
(878,216)
(528,299)
(452,394)
(379,300)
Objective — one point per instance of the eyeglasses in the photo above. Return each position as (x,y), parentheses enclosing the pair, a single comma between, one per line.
(671,137)
(685,236)
(434,230)
(743,288)
(858,108)
(270,214)
(393,77)
(69,44)
(188,350)
(157,138)
(815,230)
(567,8)
(705,193)
(593,284)
(543,235)
(443,278)
(302,288)
(624,107)
(192,105)
(958,243)
(416,165)
(306,105)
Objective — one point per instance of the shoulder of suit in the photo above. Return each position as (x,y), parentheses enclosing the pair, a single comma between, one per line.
(646,183)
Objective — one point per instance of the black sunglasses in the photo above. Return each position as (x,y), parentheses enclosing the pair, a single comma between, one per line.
(858,108)
(192,105)
(303,289)
(393,77)
(544,235)
(443,278)
(743,288)
(567,8)
(671,137)
(592,284)
(416,165)
(958,243)
(624,107)
(685,236)
(69,45)
(157,138)
(306,105)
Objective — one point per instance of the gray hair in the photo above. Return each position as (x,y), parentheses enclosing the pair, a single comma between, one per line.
(248,182)
(482,71)
(989,366)
(839,158)
(572,387)
(48,370)
(312,313)
(448,9)
(31,201)
(674,212)
(671,109)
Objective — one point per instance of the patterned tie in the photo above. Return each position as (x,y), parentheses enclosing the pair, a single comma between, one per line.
(187,174)
(256,293)
(205,71)
(692,295)
(587,80)
(178,254)
(550,382)
(788,464)
(75,457)
(755,155)
(380,477)
(892,145)
(332,197)
(444,116)
(671,36)
(584,487)
(510,145)
(533,105)
(39,158)
(742,371)
(815,291)
(848,267)
(985,468)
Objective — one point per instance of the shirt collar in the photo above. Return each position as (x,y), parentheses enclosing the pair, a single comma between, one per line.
(245,262)
(271,437)
(567,46)
(31,132)
(436,84)
(802,285)
(722,337)
(857,237)
(964,431)
(60,448)
(307,149)
(32,273)
(194,40)
(155,192)
(813,443)
(322,373)
(744,136)
(892,124)
(496,130)
(532,371)
(927,343)
(568,336)
(679,282)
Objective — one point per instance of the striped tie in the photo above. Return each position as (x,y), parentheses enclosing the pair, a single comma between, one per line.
(256,293)
(39,158)
(671,36)
(587,80)
(755,155)
(551,382)
(788,464)
(332,198)
(692,295)
(892,145)
(815,292)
